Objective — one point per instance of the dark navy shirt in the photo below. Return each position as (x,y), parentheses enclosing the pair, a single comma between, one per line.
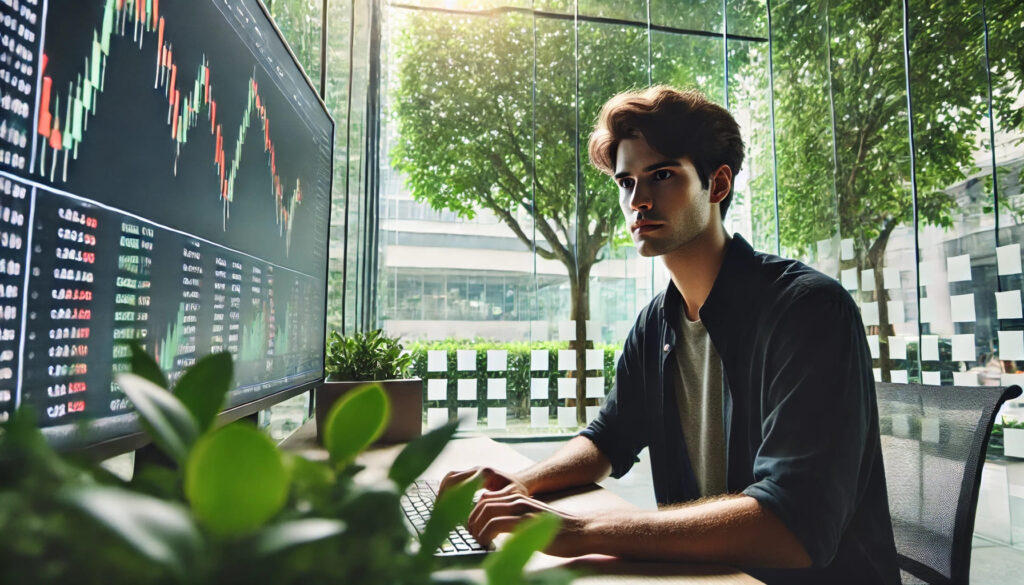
(801,423)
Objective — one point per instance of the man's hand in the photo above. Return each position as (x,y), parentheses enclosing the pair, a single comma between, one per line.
(493,481)
(495,514)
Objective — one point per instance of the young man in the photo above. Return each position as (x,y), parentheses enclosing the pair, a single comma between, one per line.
(749,379)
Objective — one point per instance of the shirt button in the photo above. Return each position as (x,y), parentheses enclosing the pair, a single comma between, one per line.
(667,347)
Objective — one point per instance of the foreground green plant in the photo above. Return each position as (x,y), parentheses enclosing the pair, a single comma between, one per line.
(232,508)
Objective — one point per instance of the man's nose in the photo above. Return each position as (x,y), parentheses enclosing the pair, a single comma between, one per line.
(640,200)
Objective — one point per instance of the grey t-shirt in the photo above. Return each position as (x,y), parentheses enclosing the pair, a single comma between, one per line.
(698,383)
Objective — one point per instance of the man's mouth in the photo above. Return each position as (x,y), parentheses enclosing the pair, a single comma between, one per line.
(644,227)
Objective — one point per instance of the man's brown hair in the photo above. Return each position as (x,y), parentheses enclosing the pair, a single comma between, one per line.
(676,124)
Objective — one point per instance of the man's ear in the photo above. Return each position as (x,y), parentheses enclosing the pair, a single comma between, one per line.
(720,184)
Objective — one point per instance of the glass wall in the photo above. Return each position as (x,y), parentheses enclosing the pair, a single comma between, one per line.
(504,261)
(884,147)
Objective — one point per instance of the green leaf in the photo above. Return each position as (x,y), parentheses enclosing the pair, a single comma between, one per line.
(144,365)
(451,508)
(355,421)
(417,456)
(164,417)
(158,530)
(235,479)
(285,535)
(503,567)
(204,387)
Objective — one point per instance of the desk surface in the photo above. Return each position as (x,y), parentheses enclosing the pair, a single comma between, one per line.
(594,569)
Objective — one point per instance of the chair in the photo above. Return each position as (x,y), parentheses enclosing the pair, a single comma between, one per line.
(933,445)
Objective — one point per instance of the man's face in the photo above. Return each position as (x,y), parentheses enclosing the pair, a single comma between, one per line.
(661,197)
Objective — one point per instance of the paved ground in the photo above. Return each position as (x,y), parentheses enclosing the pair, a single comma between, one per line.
(991,563)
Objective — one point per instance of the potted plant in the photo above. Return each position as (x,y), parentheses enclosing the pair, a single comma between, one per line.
(372,357)
(231,507)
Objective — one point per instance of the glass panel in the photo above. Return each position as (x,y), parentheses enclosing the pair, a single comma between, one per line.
(958,278)
(612,59)
(1006,38)
(752,211)
(694,15)
(300,23)
(634,10)
(872,180)
(803,131)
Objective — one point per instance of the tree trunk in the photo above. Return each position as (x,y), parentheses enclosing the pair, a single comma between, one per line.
(876,258)
(580,311)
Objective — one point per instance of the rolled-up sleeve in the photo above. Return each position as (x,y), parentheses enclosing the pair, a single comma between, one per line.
(619,430)
(818,410)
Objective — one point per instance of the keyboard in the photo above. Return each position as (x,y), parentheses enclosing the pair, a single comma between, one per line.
(417,504)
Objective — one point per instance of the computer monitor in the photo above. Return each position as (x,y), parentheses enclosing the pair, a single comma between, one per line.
(165,177)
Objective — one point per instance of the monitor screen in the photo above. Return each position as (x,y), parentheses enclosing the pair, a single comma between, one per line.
(165,177)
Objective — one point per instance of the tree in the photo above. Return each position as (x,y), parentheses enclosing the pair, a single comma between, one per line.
(851,54)
(489,118)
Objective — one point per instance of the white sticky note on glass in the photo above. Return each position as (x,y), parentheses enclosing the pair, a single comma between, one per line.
(897,347)
(867,279)
(592,329)
(891,277)
(961,307)
(897,312)
(592,412)
(869,313)
(877,372)
(437,417)
(567,416)
(468,418)
(595,359)
(1011,379)
(437,389)
(963,348)
(465,360)
(1008,259)
(849,278)
(538,416)
(497,360)
(824,249)
(437,360)
(873,346)
(595,387)
(927,311)
(846,249)
(930,348)
(496,417)
(958,268)
(898,376)
(496,388)
(466,389)
(538,388)
(567,387)
(539,360)
(618,354)
(932,378)
(566,359)
(1008,305)
(1011,345)
(965,378)
(566,330)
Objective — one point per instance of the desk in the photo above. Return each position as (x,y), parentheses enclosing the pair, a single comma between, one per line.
(597,569)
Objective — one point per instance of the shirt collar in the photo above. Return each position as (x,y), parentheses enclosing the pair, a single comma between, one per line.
(727,290)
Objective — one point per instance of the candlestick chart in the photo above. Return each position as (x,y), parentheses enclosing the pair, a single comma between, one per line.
(191,102)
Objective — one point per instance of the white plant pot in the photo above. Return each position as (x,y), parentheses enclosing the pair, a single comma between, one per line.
(1013,442)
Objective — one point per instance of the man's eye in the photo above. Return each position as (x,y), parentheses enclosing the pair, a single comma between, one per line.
(662,174)
(626,183)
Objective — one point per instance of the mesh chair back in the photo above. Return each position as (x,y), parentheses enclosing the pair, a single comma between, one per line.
(933,445)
